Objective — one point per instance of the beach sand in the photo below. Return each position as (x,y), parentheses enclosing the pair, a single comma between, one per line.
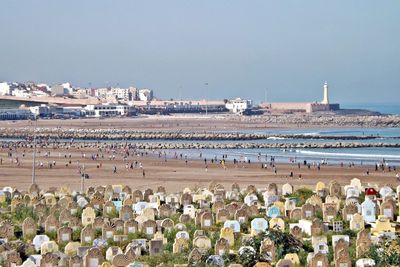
(174,174)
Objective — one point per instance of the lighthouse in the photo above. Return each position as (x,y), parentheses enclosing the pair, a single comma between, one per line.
(326,97)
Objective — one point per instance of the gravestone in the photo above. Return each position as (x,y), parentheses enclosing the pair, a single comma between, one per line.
(108,230)
(109,208)
(88,216)
(195,257)
(363,243)
(202,242)
(51,224)
(228,235)
(285,263)
(329,211)
(317,227)
(180,244)
(155,247)
(258,225)
(49,260)
(387,209)
(233,224)
(93,257)
(335,189)
(368,210)
(222,215)
(296,214)
(296,232)
(268,250)
(28,228)
(241,215)
(120,260)
(206,220)
(167,224)
(273,212)
(287,189)
(75,261)
(348,211)
(307,211)
(48,246)
(357,222)
(71,249)
(112,251)
(125,213)
(149,227)
(12,258)
(221,246)
(319,260)
(165,211)
(343,259)
(64,234)
(87,234)
(182,234)
(277,224)
(38,240)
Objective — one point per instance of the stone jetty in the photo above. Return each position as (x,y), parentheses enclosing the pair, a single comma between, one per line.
(178,145)
(120,134)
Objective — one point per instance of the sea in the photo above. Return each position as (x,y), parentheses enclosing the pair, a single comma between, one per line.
(367,156)
(392,108)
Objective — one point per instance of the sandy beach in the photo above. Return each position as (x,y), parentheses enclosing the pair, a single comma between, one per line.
(174,174)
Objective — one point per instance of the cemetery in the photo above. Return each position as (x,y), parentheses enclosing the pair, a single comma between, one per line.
(116,225)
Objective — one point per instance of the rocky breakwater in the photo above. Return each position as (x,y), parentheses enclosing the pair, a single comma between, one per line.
(118,134)
(197,146)
(257,145)
(328,120)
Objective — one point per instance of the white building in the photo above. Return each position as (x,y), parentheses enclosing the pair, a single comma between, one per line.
(120,93)
(42,110)
(20,93)
(108,110)
(145,94)
(238,106)
(58,90)
(5,89)
(81,93)
(101,93)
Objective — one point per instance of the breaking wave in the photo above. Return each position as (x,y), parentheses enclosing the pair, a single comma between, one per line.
(348,155)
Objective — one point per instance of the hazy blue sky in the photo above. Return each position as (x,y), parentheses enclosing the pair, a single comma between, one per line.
(240,48)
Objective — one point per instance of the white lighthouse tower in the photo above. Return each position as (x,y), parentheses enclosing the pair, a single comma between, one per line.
(326,97)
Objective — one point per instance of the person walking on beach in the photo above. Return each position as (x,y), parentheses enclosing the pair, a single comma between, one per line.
(115,169)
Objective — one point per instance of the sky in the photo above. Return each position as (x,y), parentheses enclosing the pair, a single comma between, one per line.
(213,49)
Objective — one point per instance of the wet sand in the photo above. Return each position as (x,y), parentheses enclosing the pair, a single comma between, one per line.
(174,174)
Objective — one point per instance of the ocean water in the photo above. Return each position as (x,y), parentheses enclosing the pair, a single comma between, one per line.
(391,108)
(370,155)
(367,156)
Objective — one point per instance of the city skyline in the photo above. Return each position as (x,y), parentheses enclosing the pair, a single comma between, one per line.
(287,49)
